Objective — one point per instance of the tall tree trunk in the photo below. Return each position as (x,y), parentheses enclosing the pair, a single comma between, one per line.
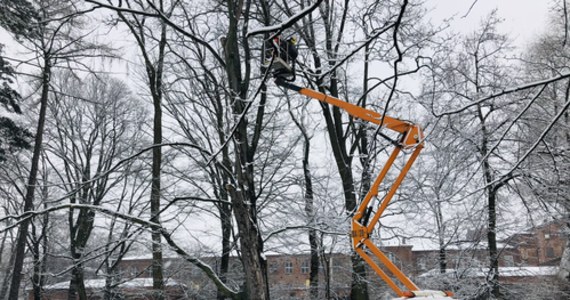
(155,72)
(310,212)
(226,222)
(37,261)
(244,199)
(492,240)
(224,208)
(79,237)
(157,273)
(491,206)
(442,258)
(226,216)
(20,247)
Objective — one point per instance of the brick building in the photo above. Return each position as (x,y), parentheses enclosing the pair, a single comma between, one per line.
(131,289)
(540,246)
(524,257)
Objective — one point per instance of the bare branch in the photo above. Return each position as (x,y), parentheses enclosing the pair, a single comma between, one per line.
(502,93)
(277,29)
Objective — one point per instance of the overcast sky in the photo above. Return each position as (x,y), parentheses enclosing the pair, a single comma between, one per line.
(523,19)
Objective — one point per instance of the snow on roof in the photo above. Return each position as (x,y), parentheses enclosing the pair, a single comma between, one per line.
(503,271)
(100,284)
(428,245)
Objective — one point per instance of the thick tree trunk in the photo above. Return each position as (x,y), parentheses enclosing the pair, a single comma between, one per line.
(224,208)
(492,240)
(77,283)
(80,235)
(157,274)
(226,245)
(442,259)
(37,260)
(255,281)
(244,199)
(492,190)
(226,216)
(310,211)
(20,247)
(154,71)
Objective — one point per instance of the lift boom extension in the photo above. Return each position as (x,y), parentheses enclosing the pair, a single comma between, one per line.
(411,138)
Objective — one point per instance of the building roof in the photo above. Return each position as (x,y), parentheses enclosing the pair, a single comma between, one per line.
(426,245)
(100,284)
(503,271)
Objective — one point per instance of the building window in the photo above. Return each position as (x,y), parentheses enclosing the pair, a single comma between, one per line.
(288,267)
(549,252)
(546,236)
(524,254)
(509,261)
(305,267)
(273,267)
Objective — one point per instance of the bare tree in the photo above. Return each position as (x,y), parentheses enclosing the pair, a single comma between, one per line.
(242,141)
(310,208)
(477,65)
(89,127)
(548,169)
(200,92)
(58,41)
(153,52)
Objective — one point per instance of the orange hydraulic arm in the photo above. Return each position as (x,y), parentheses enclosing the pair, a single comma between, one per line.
(411,138)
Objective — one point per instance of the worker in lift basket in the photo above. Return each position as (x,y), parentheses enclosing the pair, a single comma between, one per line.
(288,51)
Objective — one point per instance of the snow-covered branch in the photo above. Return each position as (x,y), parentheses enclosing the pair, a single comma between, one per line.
(504,92)
(277,29)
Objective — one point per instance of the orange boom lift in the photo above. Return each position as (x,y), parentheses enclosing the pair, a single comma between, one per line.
(411,138)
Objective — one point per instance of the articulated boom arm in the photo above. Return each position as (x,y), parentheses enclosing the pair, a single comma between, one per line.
(411,138)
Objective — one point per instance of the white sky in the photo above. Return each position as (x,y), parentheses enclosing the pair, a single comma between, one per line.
(523,19)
